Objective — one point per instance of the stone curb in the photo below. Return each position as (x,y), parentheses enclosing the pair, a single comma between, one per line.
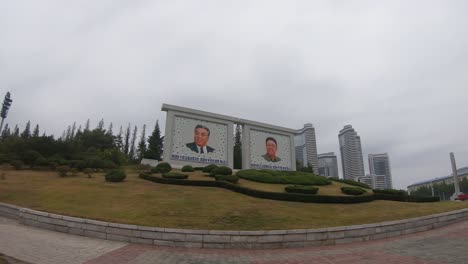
(271,239)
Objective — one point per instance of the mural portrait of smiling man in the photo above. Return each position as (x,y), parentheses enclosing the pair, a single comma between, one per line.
(200,140)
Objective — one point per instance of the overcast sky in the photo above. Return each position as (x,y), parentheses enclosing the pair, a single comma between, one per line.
(397,71)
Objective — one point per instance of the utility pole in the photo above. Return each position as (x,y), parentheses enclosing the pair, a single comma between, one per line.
(6,106)
(455,176)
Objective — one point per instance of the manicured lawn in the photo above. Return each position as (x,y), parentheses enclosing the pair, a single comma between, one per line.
(141,202)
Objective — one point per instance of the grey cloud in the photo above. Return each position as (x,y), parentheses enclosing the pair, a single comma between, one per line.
(395,70)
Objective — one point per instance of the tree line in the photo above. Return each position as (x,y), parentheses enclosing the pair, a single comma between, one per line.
(80,146)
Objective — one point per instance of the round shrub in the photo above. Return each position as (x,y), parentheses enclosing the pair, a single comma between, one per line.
(301,189)
(116,176)
(209,168)
(352,190)
(62,170)
(187,168)
(174,175)
(228,178)
(163,167)
(223,170)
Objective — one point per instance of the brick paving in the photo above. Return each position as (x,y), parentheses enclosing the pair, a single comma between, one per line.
(439,246)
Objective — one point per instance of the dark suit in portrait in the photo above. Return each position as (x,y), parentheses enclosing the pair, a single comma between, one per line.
(193,147)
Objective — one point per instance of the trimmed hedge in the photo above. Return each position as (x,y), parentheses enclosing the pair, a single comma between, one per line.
(283,177)
(174,175)
(187,168)
(198,168)
(351,182)
(228,178)
(390,191)
(223,170)
(209,168)
(295,197)
(352,190)
(301,189)
(115,176)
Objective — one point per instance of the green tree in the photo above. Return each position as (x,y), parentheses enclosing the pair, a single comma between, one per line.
(126,146)
(142,144)
(132,153)
(27,130)
(16,131)
(238,148)
(87,125)
(6,132)
(72,135)
(36,131)
(109,131)
(118,141)
(155,144)
(101,125)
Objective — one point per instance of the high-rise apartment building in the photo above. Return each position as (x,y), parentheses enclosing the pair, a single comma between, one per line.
(306,147)
(379,164)
(328,165)
(351,153)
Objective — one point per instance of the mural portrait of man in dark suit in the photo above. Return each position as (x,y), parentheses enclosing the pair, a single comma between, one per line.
(200,140)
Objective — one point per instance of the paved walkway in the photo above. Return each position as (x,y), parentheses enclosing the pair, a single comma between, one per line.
(444,245)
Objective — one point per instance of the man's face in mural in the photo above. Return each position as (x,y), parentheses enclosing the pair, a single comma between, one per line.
(271,148)
(201,137)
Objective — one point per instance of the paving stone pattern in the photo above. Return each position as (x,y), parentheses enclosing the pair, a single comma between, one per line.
(438,246)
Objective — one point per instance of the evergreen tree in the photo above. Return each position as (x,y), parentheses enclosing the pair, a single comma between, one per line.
(87,125)
(27,130)
(36,131)
(16,131)
(6,132)
(131,155)
(100,126)
(78,131)
(155,144)
(142,144)
(118,141)
(72,135)
(68,134)
(238,148)
(109,131)
(127,141)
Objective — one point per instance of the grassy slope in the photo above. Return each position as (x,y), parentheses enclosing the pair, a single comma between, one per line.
(137,201)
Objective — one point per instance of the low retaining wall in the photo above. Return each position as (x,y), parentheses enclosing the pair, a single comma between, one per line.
(229,239)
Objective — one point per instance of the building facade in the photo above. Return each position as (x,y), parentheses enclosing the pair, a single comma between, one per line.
(351,153)
(462,173)
(306,147)
(328,165)
(379,164)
